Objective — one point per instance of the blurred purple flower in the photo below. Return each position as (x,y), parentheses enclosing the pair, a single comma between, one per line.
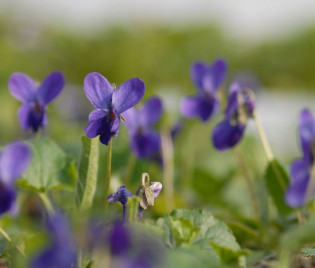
(14,160)
(109,104)
(301,169)
(132,248)
(145,142)
(207,79)
(32,114)
(121,195)
(240,107)
(62,252)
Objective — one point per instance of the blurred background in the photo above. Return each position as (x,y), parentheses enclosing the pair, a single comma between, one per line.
(267,44)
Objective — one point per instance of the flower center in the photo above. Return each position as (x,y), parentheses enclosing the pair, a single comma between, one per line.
(112,115)
(38,108)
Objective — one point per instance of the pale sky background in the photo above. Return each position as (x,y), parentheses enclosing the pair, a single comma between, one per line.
(252,19)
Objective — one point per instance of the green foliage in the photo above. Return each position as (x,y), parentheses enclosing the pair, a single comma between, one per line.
(308,252)
(88,171)
(50,168)
(200,228)
(277,181)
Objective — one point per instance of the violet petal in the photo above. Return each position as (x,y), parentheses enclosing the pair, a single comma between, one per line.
(226,135)
(13,162)
(22,87)
(198,106)
(127,95)
(150,112)
(296,193)
(50,87)
(98,90)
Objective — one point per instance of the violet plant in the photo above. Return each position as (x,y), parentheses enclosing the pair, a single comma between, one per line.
(185,237)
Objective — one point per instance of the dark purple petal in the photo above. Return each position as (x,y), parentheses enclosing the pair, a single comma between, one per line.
(7,198)
(127,95)
(150,112)
(14,160)
(24,115)
(307,133)
(98,90)
(50,88)
(132,119)
(119,239)
(219,70)
(197,72)
(99,125)
(300,175)
(232,106)
(198,106)
(146,144)
(121,195)
(22,87)
(225,135)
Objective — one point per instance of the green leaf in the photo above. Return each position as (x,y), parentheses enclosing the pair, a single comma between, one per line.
(50,168)
(200,228)
(88,171)
(277,181)
(183,230)
(308,252)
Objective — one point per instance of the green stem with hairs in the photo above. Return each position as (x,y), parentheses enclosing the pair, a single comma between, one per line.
(109,170)
(49,207)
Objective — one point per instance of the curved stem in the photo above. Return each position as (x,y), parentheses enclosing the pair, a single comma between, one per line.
(263,137)
(109,170)
(49,207)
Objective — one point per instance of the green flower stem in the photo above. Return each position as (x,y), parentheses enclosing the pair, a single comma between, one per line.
(8,238)
(49,207)
(248,182)
(109,170)
(168,170)
(263,137)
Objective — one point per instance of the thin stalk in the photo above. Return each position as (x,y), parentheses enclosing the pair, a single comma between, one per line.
(168,170)
(109,170)
(263,137)
(248,182)
(49,207)
(9,239)
(129,169)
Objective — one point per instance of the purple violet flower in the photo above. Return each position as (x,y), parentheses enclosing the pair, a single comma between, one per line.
(62,252)
(298,192)
(32,114)
(14,160)
(109,104)
(240,107)
(121,195)
(207,79)
(145,142)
